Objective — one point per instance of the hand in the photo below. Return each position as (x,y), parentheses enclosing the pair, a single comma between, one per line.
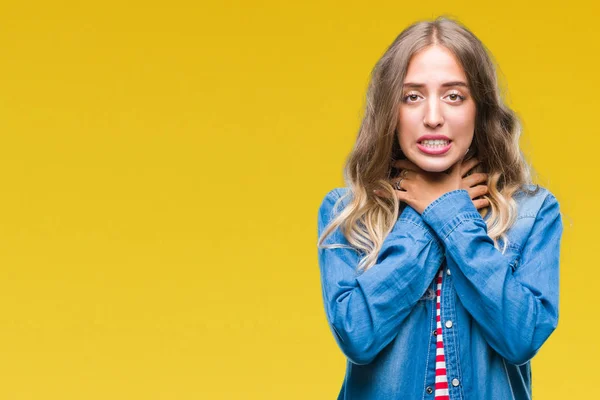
(420,188)
(471,183)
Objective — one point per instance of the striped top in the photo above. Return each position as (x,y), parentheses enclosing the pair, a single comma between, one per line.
(441,380)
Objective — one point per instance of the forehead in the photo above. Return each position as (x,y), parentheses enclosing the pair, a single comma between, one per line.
(434,64)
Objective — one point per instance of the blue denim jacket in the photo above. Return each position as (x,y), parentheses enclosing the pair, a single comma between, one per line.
(496,309)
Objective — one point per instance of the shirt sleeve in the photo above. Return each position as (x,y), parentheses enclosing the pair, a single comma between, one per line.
(516,310)
(364,310)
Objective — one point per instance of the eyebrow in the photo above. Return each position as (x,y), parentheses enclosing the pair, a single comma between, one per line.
(445,84)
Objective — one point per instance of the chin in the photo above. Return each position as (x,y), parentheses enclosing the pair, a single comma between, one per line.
(433,164)
(434,168)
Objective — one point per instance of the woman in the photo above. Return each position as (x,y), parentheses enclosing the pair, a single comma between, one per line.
(440,259)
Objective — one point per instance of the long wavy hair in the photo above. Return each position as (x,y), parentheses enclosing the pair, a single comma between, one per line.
(367,219)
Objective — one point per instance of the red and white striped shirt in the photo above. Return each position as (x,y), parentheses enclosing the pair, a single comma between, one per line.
(441,380)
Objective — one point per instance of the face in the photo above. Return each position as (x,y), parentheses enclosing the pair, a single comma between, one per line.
(436,119)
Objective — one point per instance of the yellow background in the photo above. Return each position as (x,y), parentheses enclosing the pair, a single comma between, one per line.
(163,163)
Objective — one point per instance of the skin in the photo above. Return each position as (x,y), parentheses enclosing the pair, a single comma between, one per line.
(436,109)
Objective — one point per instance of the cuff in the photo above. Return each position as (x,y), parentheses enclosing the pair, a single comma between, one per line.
(409,215)
(447,211)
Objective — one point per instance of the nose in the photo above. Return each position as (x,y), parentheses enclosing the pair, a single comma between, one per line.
(433,113)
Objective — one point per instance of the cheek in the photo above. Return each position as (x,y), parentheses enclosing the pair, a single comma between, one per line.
(409,128)
(464,122)
(409,123)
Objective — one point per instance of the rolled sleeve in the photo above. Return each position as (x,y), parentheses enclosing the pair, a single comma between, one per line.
(525,300)
(365,310)
(448,211)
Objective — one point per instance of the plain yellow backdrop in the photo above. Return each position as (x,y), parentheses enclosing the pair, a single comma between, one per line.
(163,163)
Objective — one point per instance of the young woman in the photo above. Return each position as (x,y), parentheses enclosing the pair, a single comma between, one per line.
(440,259)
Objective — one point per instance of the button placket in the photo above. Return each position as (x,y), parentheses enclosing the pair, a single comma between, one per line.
(450,332)
(430,373)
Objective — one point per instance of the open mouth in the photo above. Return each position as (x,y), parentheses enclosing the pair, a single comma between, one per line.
(435,144)
(434,147)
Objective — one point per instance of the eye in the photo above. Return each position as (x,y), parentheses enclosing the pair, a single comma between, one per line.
(455,97)
(413,97)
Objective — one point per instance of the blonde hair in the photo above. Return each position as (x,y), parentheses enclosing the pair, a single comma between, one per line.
(368,219)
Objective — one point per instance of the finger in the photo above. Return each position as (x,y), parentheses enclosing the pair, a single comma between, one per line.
(474,179)
(481,203)
(477,191)
(400,195)
(468,165)
(399,184)
(405,174)
(381,193)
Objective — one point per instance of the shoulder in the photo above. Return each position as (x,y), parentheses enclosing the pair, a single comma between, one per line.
(342,194)
(334,201)
(332,204)
(532,199)
(536,207)
(338,193)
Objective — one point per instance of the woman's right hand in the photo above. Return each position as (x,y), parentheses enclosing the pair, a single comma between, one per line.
(475,184)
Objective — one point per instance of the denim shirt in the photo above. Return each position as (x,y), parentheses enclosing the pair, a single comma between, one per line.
(497,309)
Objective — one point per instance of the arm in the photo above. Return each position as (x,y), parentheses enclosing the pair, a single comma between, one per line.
(364,311)
(516,311)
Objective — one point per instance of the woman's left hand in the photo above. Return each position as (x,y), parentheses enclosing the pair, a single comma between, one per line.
(420,188)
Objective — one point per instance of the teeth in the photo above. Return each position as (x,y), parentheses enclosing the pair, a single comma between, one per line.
(435,143)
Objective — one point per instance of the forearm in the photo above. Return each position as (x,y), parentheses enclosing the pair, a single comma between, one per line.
(365,310)
(516,312)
